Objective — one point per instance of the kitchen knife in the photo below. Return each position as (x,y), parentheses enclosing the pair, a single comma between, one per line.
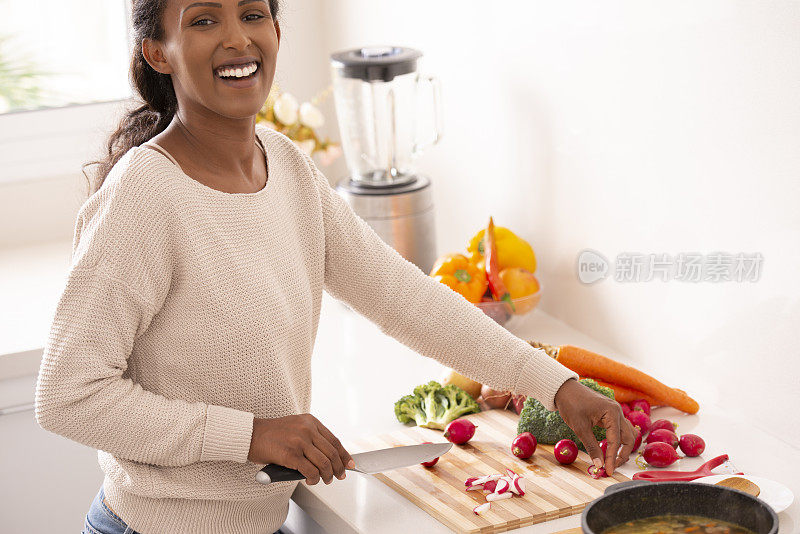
(366,462)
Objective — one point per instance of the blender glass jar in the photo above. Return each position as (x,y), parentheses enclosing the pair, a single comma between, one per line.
(376,95)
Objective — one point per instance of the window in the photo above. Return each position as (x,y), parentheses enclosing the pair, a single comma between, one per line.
(63,83)
(55,53)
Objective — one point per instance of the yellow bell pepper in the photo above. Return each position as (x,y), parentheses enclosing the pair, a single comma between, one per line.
(460,275)
(512,250)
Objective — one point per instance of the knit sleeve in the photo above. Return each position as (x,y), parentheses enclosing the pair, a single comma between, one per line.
(120,275)
(423,314)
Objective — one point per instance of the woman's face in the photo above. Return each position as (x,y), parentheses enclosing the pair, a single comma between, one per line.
(200,38)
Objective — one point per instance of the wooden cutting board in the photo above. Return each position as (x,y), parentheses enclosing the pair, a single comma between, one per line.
(551,490)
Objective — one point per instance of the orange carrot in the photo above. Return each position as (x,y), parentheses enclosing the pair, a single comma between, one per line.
(624,394)
(588,363)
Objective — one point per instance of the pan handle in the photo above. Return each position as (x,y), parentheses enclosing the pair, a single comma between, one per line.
(277,473)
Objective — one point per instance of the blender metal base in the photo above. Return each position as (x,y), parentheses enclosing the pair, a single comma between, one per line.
(402,215)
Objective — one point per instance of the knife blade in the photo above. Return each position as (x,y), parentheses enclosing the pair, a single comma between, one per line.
(369,463)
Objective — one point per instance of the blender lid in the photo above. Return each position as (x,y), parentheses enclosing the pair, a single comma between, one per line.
(376,63)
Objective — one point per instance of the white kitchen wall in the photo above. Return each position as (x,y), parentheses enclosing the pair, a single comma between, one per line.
(627,126)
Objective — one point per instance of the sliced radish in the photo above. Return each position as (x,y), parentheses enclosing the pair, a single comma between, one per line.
(499,496)
(491,485)
(511,473)
(519,484)
(470,480)
(502,486)
(485,478)
(481,508)
(476,487)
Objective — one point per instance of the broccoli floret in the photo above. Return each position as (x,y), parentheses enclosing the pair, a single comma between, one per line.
(409,409)
(548,427)
(433,405)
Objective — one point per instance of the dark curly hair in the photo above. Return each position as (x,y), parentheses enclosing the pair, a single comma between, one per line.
(154,89)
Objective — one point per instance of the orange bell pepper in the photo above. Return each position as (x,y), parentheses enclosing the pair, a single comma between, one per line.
(460,275)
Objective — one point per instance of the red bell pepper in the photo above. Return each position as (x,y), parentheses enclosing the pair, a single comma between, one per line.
(496,285)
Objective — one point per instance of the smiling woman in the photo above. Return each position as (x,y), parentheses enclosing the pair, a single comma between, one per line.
(181,345)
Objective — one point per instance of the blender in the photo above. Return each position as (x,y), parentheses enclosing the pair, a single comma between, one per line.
(377,96)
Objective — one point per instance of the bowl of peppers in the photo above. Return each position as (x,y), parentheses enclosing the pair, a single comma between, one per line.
(497,276)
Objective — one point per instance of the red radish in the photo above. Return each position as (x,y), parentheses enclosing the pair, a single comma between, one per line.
(692,445)
(638,441)
(481,508)
(665,424)
(511,473)
(641,405)
(486,478)
(502,486)
(604,447)
(664,436)
(475,487)
(430,463)
(470,480)
(626,408)
(459,431)
(640,419)
(517,403)
(490,485)
(524,445)
(565,451)
(659,454)
(519,486)
(597,472)
(499,496)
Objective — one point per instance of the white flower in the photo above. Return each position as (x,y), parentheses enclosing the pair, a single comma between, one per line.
(285,109)
(330,155)
(306,146)
(311,116)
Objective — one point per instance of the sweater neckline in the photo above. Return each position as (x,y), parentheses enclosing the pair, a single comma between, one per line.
(211,190)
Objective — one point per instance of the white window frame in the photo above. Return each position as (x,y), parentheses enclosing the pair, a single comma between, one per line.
(41,144)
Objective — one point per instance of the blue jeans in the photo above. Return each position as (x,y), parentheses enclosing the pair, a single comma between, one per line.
(102,520)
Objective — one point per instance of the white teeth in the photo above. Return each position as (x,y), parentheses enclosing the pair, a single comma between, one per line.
(240,71)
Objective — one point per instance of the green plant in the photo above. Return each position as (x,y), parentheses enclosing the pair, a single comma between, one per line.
(20,81)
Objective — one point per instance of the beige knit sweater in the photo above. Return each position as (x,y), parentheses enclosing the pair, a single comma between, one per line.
(187,311)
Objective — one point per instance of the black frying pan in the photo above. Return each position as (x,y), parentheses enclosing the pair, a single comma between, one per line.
(639,499)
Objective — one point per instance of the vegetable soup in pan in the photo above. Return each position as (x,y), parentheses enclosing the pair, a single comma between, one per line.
(677,524)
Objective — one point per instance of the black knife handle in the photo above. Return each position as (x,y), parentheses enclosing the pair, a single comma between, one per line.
(278,473)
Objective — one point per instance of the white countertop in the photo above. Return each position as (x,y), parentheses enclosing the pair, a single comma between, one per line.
(358,374)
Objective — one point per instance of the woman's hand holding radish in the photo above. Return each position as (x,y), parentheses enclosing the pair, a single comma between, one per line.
(299,442)
(582,408)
